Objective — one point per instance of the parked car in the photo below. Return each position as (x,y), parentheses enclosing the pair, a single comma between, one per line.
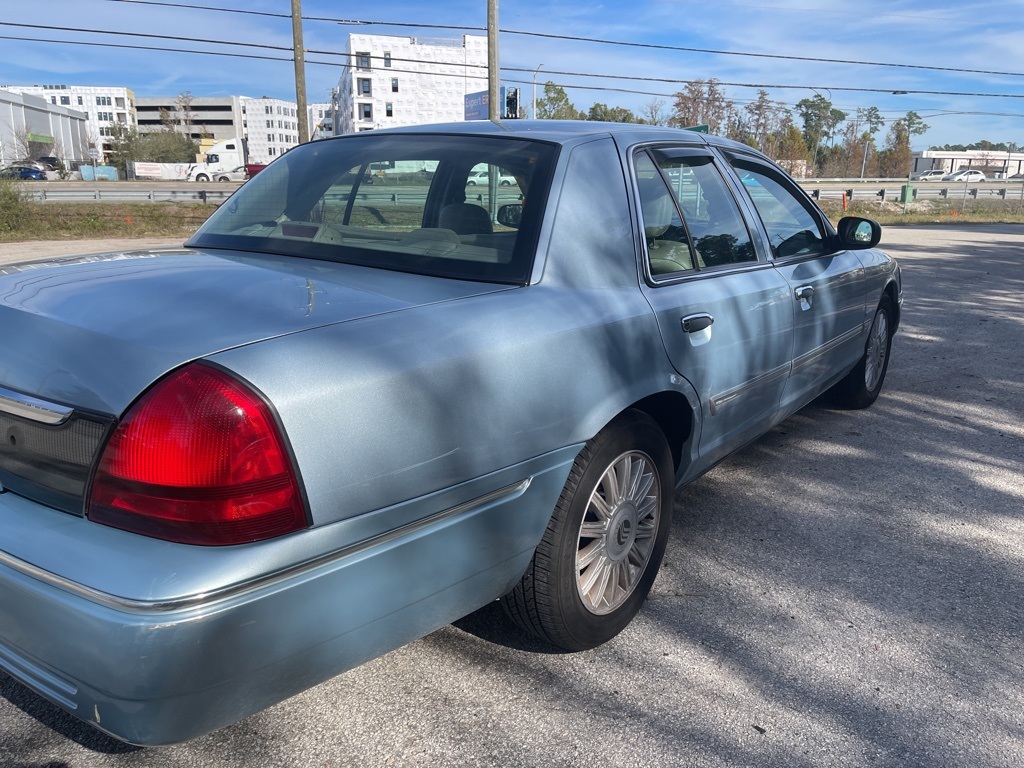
(50,163)
(935,174)
(23,172)
(235,174)
(326,426)
(1015,177)
(965,176)
(482,176)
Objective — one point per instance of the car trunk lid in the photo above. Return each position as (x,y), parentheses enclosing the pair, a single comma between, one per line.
(82,338)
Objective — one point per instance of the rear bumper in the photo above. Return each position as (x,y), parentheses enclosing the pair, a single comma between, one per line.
(161,671)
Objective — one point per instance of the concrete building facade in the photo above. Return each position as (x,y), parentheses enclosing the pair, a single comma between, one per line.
(32,127)
(390,81)
(103,105)
(269,126)
(200,117)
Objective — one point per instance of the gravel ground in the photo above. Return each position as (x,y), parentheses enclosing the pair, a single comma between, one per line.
(843,592)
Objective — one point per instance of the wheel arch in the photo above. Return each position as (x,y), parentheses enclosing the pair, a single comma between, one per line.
(673,413)
(892,291)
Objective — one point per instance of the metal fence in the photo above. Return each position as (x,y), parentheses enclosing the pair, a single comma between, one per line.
(112,193)
(819,189)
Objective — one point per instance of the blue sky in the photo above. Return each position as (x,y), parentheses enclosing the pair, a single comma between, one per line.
(980,35)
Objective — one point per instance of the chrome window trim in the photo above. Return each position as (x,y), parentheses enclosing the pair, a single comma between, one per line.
(233,590)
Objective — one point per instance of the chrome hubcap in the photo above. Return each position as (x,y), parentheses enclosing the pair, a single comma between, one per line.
(878,347)
(617,533)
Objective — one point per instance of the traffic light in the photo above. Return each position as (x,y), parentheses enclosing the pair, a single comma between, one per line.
(511,103)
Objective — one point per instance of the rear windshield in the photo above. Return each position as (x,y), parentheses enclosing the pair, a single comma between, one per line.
(451,206)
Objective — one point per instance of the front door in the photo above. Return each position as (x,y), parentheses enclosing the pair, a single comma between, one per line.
(826,287)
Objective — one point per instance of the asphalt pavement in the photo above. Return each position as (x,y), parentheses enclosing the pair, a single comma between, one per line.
(846,591)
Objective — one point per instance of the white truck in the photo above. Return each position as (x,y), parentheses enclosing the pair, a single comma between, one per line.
(222,158)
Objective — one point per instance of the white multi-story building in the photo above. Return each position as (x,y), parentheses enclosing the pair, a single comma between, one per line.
(321,121)
(104,106)
(391,81)
(271,127)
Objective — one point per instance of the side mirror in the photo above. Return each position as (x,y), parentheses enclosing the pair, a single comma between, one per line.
(856,233)
(510,215)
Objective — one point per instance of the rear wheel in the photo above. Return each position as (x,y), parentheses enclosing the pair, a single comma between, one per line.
(605,541)
(861,386)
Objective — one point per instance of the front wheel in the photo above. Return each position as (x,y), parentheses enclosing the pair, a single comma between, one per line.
(605,541)
(861,386)
(202,177)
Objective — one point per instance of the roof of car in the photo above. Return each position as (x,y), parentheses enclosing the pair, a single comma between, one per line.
(566,131)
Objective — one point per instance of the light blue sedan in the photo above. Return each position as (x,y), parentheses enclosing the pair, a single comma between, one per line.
(346,414)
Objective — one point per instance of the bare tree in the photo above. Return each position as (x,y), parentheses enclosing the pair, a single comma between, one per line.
(62,159)
(767,121)
(653,113)
(22,145)
(703,102)
(93,142)
(184,104)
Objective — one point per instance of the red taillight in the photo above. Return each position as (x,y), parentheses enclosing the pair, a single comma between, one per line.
(199,459)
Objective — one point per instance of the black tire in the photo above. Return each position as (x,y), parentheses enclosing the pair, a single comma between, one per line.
(202,177)
(506,183)
(551,600)
(861,386)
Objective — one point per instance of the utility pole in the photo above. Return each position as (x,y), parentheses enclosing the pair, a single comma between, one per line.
(494,107)
(300,72)
(534,115)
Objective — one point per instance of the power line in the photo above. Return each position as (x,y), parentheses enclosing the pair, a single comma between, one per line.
(149,48)
(145,34)
(574,38)
(785,105)
(773,85)
(163,49)
(778,86)
(784,57)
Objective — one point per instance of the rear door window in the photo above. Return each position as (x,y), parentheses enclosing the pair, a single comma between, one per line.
(700,212)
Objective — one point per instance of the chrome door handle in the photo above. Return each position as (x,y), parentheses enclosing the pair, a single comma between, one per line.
(698,322)
(805,292)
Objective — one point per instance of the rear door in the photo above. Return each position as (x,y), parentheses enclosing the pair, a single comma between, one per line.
(827,287)
(725,316)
